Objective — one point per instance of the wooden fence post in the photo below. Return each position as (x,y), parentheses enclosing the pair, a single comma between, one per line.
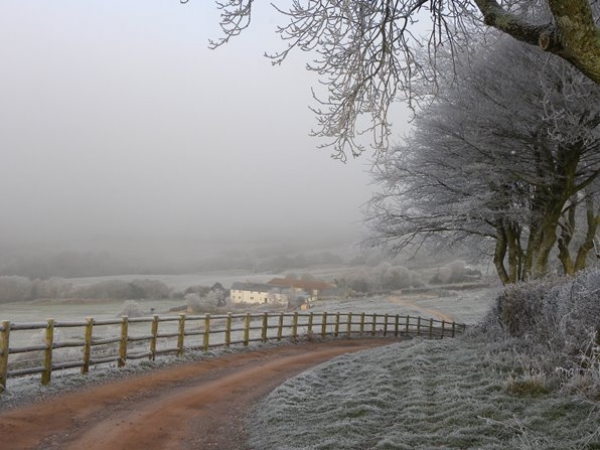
(247,329)
(362,324)
(87,347)
(385,324)
(206,342)
(443,329)
(310,323)
(228,330)
(280,327)
(453,328)
(181,335)
(430,328)
(47,373)
(265,324)
(407,324)
(374,325)
(397,325)
(349,324)
(295,326)
(4,340)
(123,344)
(419,326)
(324,324)
(336,330)
(154,332)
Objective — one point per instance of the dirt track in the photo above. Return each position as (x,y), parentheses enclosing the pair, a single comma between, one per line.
(194,406)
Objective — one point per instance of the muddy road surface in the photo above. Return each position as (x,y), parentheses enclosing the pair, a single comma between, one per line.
(200,405)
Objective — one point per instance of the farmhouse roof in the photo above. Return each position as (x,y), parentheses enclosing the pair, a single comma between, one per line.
(299,284)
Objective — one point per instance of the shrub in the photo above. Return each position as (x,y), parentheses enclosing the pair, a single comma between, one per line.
(131,308)
(154,289)
(399,277)
(119,289)
(209,302)
(193,302)
(105,289)
(197,289)
(51,288)
(455,272)
(559,313)
(15,289)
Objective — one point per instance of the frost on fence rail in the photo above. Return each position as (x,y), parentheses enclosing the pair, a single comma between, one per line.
(45,347)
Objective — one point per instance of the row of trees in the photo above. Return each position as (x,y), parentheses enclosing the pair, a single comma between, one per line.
(507,160)
(15,289)
(388,276)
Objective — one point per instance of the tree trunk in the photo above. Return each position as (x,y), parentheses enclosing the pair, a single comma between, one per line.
(588,244)
(514,253)
(564,241)
(499,254)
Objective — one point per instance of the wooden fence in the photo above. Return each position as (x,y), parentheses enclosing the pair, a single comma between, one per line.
(88,343)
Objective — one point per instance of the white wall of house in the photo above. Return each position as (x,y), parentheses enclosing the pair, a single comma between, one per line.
(241,296)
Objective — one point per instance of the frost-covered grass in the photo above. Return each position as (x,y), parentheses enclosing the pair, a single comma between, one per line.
(451,394)
(527,377)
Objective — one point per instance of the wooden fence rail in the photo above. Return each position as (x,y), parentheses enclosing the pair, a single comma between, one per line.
(91,342)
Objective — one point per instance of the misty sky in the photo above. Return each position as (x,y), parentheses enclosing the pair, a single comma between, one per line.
(117,121)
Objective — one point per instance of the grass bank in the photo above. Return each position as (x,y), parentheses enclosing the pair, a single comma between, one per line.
(451,394)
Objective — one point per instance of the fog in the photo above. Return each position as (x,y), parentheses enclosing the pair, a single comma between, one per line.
(119,129)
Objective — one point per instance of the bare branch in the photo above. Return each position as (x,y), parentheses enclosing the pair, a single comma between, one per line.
(367,53)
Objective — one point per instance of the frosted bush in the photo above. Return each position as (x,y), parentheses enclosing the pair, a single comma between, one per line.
(399,277)
(203,303)
(558,313)
(193,302)
(14,289)
(131,308)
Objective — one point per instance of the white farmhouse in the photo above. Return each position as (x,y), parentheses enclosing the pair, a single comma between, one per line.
(257,293)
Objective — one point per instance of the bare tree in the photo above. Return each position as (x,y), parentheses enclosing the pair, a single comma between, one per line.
(366,48)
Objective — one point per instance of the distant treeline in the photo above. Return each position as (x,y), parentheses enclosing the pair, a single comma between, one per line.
(361,279)
(386,276)
(90,264)
(16,288)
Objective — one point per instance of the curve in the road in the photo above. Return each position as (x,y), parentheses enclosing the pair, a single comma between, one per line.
(198,405)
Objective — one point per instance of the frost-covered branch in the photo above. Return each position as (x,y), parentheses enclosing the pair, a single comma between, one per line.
(365,50)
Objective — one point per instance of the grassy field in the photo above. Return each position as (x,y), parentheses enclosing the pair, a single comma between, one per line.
(459,306)
(535,388)
(451,394)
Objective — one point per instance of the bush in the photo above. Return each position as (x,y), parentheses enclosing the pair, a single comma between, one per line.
(119,289)
(399,277)
(51,288)
(193,302)
(154,289)
(455,272)
(197,289)
(15,289)
(131,308)
(559,313)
